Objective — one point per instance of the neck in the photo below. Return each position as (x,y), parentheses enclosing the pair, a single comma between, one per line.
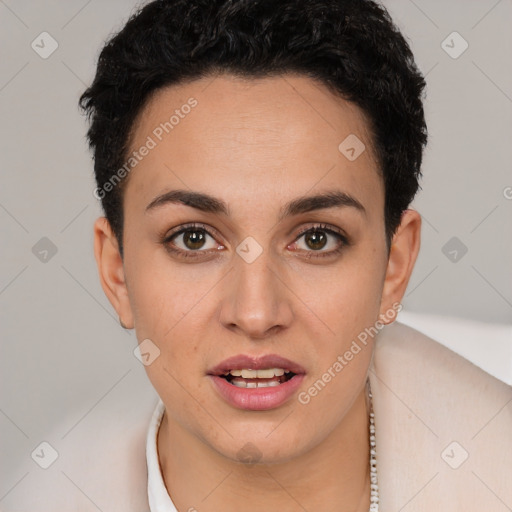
(333,476)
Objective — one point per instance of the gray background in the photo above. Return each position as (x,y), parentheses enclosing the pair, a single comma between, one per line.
(63,351)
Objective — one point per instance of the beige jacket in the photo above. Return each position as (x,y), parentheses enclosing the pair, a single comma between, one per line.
(444,440)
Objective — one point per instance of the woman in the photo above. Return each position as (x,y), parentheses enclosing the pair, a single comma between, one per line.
(255,162)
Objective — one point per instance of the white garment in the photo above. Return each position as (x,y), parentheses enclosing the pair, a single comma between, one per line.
(443,429)
(158,497)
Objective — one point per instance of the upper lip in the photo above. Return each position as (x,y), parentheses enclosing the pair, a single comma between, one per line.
(242,361)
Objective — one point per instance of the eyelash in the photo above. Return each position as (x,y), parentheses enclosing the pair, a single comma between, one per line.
(201,227)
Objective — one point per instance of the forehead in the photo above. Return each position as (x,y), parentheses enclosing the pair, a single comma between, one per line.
(241,139)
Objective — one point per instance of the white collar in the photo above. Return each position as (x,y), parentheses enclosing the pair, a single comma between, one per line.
(159,499)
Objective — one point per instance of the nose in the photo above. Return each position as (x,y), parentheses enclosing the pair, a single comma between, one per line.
(256,300)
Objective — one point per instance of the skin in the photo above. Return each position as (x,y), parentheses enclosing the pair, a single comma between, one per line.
(257,144)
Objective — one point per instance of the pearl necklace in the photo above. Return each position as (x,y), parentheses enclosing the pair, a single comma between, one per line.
(374,486)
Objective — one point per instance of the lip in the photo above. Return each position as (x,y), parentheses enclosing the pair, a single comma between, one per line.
(241,361)
(256,399)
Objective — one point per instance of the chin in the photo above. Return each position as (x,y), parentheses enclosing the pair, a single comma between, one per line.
(262,448)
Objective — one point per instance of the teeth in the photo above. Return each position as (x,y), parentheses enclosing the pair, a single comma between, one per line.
(258,374)
(242,384)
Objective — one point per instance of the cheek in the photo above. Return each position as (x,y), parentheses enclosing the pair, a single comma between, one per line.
(167,315)
(348,308)
(167,304)
(162,294)
(342,299)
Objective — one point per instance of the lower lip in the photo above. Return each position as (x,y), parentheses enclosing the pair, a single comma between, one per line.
(256,399)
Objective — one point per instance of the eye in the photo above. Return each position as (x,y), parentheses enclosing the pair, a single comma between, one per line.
(190,239)
(317,238)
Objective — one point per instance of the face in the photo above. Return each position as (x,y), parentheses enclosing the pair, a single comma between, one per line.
(262,277)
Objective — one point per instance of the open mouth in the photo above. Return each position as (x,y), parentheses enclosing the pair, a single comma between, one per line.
(257,383)
(270,377)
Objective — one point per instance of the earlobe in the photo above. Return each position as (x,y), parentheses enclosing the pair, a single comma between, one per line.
(402,257)
(111,271)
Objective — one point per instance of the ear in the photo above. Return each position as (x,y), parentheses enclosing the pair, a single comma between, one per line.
(402,257)
(111,271)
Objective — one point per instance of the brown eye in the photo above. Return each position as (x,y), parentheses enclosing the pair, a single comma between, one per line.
(315,240)
(318,238)
(193,238)
(191,241)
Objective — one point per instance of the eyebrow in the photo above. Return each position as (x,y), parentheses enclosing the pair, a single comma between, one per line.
(209,204)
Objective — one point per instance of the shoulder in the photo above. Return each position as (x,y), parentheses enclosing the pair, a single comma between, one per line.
(101,457)
(413,356)
(443,425)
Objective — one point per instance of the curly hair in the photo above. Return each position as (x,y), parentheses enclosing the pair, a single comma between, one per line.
(350,46)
